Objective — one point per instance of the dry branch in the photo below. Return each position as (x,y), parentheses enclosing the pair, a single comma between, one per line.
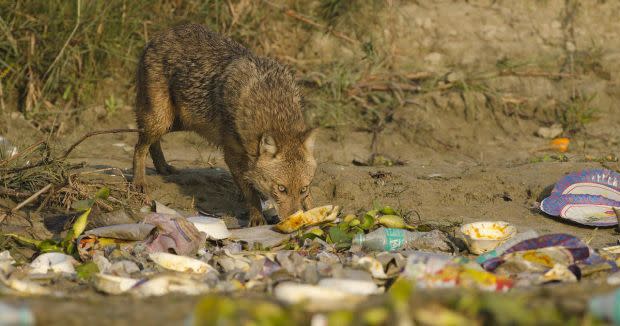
(31,198)
(293,14)
(94,133)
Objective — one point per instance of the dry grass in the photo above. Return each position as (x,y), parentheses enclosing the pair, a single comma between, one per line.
(37,178)
(59,57)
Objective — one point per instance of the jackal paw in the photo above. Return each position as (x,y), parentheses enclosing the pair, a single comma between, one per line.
(139,186)
(257,219)
(167,169)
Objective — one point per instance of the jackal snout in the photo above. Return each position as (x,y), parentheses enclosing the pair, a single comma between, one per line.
(284,171)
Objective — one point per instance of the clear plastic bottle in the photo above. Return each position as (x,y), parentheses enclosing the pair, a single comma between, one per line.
(606,306)
(386,239)
(529,234)
(15,315)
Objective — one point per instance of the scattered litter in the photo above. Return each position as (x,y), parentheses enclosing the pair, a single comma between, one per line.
(115,285)
(532,259)
(390,239)
(373,266)
(262,235)
(165,284)
(550,132)
(25,287)
(7,150)
(124,268)
(129,232)
(560,144)
(163,209)
(55,262)
(174,234)
(15,315)
(482,237)
(435,270)
(315,297)
(356,287)
(180,263)
(529,234)
(614,279)
(214,228)
(586,197)
(606,306)
(6,262)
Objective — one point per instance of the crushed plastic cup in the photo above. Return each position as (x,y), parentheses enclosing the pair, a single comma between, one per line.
(485,236)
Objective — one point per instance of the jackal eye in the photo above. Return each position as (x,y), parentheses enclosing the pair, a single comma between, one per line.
(304,189)
(281,188)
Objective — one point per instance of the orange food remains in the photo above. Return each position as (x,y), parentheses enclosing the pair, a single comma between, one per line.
(560,144)
(302,219)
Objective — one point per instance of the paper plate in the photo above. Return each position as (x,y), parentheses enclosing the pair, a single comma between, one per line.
(592,210)
(600,182)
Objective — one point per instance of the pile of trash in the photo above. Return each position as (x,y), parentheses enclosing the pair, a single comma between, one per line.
(319,258)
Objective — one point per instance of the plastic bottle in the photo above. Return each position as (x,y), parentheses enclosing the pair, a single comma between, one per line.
(606,306)
(529,234)
(386,239)
(14,315)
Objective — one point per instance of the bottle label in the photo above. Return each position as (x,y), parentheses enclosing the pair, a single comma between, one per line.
(395,239)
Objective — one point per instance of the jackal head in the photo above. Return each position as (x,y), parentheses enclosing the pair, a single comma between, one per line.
(284,170)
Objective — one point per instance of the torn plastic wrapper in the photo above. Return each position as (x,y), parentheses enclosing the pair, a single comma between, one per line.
(535,252)
(433,270)
(88,245)
(174,234)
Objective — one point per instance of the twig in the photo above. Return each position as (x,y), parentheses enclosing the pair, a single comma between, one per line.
(77,24)
(31,198)
(293,14)
(94,133)
(13,193)
(535,73)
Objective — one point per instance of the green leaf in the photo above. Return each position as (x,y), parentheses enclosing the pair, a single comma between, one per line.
(82,205)
(49,246)
(388,210)
(103,193)
(25,240)
(87,270)
(80,224)
(78,227)
(367,222)
(339,237)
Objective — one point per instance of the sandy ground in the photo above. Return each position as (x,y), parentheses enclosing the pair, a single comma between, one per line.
(461,165)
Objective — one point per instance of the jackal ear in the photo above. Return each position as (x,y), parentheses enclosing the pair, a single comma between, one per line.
(267,145)
(309,137)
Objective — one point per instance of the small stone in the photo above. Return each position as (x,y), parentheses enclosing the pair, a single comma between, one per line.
(455,76)
(550,132)
(433,58)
